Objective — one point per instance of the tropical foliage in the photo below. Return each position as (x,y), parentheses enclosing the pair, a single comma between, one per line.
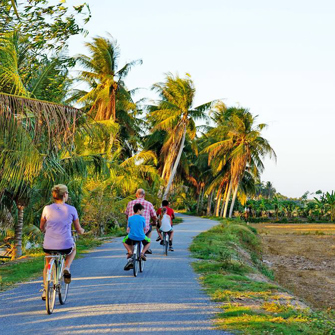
(102,143)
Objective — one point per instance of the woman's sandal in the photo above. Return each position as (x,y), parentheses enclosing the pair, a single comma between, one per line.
(67,276)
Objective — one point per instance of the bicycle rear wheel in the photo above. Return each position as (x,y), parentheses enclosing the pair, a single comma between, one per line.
(135,260)
(166,243)
(63,290)
(163,242)
(141,261)
(50,289)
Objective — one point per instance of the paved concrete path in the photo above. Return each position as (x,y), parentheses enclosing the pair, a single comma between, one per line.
(104,299)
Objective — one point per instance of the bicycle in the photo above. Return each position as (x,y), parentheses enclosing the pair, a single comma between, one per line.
(138,263)
(166,237)
(55,282)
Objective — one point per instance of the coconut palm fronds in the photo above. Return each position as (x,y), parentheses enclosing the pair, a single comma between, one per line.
(52,123)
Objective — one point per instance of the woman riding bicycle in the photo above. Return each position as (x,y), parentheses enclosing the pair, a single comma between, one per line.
(56,222)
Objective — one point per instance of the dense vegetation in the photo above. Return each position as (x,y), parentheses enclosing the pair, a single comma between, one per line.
(102,143)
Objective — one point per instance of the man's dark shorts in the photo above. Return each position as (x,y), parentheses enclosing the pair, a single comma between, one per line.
(129,241)
(149,231)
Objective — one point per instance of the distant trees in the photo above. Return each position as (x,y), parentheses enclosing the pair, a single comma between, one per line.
(283,209)
(265,190)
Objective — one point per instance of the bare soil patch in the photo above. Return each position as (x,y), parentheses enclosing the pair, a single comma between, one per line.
(302,257)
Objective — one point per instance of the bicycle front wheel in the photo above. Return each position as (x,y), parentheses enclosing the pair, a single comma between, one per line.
(63,290)
(50,289)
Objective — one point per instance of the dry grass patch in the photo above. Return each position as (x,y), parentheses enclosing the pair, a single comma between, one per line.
(302,257)
(234,276)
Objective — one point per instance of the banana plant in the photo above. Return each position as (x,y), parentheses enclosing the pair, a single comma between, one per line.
(330,203)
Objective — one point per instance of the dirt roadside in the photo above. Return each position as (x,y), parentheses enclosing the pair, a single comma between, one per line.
(302,257)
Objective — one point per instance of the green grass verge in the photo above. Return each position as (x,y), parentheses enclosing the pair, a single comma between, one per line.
(26,269)
(177,220)
(117,232)
(227,254)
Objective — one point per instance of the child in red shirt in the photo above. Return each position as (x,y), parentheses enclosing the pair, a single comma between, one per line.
(170,212)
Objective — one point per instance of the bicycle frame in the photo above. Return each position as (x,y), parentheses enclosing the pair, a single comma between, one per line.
(138,263)
(60,259)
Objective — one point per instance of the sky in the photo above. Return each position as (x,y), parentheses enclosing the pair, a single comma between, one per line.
(276,58)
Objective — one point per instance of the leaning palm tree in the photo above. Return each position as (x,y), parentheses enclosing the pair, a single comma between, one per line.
(103,77)
(175,116)
(242,145)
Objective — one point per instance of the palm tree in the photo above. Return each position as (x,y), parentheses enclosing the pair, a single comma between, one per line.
(174,116)
(41,130)
(269,190)
(103,77)
(241,144)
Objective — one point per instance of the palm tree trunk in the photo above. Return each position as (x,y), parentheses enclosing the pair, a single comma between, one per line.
(198,202)
(224,199)
(209,203)
(168,165)
(227,200)
(218,200)
(111,112)
(202,196)
(233,201)
(222,207)
(218,203)
(18,232)
(175,166)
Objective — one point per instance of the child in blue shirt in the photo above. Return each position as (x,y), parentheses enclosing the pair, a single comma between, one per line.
(135,230)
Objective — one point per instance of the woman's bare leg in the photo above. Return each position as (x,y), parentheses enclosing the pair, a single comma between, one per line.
(69,258)
(47,261)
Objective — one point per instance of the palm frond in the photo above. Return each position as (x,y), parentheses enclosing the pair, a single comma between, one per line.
(55,123)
